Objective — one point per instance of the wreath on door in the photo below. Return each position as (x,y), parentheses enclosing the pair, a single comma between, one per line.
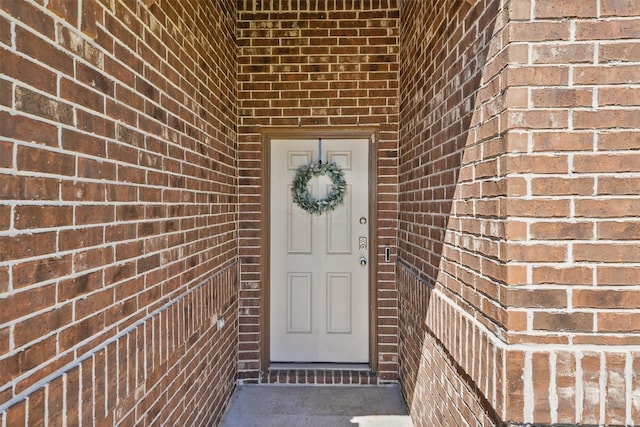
(300,191)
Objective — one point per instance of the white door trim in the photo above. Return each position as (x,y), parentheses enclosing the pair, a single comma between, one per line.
(359,132)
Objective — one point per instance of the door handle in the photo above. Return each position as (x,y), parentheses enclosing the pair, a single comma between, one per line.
(363,261)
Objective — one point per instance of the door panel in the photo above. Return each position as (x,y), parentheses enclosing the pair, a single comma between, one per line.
(339,303)
(299,303)
(319,289)
(339,227)
(298,228)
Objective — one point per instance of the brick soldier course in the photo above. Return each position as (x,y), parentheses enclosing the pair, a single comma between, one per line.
(506,184)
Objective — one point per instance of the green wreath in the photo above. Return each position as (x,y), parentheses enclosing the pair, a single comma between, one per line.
(305,200)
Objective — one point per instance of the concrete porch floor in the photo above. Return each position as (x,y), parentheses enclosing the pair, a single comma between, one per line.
(316,406)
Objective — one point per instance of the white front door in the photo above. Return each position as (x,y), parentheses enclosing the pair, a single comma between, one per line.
(319,263)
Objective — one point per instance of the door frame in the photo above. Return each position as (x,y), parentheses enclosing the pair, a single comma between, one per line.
(352,132)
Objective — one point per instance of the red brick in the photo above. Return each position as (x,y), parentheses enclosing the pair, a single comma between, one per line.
(618,230)
(55,402)
(620,139)
(618,322)
(23,303)
(569,8)
(605,298)
(25,129)
(615,8)
(558,53)
(559,321)
(34,159)
(537,164)
(92,258)
(192,109)
(539,31)
(93,124)
(5,31)
(605,119)
(92,303)
(43,106)
(604,252)
(540,208)
(608,185)
(540,368)
(566,386)
(28,188)
(548,298)
(606,208)
(554,98)
(82,96)
(83,191)
(515,397)
(75,333)
(42,216)
(94,214)
(95,79)
(80,238)
(87,384)
(562,231)
(619,96)
(17,414)
(30,16)
(78,286)
(617,275)
(65,9)
(4,279)
(5,217)
(608,29)
(88,18)
(32,272)
(96,169)
(26,245)
(562,186)
(6,93)
(35,355)
(619,52)
(26,71)
(43,50)
(6,153)
(32,328)
(616,402)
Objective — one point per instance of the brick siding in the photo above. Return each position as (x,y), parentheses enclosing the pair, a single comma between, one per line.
(118,212)
(448,312)
(573,162)
(517,198)
(131,140)
(316,63)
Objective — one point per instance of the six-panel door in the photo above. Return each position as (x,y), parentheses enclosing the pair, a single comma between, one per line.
(319,274)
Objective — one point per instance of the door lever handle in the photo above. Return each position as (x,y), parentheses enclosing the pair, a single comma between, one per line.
(363,261)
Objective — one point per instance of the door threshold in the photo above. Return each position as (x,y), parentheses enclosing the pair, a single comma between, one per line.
(323,366)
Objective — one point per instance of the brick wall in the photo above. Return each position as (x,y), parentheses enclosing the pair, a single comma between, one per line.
(449,307)
(574,240)
(514,296)
(316,63)
(118,211)
(517,220)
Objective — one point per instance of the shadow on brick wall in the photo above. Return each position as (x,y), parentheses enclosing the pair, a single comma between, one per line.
(444,50)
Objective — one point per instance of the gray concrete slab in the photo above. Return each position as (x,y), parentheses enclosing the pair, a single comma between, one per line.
(316,406)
